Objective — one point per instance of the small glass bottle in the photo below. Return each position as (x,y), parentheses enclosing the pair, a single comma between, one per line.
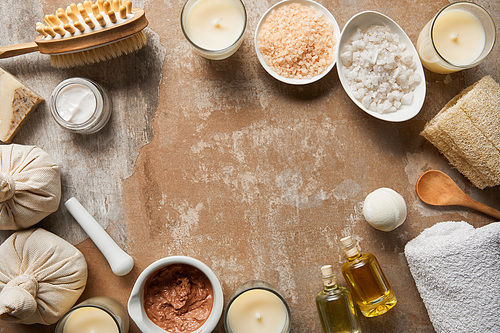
(366,280)
(335,306)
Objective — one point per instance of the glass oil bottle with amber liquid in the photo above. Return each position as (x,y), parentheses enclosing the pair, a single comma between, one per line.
(366,280)
(335,306)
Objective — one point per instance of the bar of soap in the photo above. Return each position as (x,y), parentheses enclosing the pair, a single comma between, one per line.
(16,103)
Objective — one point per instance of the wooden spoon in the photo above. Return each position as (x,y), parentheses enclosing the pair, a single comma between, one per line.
(436,188)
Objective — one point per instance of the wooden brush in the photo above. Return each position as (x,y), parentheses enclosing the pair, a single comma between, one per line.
(86,33)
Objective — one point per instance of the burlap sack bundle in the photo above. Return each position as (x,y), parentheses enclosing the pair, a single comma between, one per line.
(30,186)
(41,277)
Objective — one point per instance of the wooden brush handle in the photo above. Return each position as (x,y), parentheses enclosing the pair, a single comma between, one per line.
(18,49)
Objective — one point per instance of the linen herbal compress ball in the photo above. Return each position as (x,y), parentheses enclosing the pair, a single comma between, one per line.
(41,277)
(30,186)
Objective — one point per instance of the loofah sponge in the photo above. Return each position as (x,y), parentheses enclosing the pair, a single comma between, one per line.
(466,132)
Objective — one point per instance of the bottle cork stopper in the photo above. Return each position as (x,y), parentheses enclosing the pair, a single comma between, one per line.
(328,275)
(346,241)
(327,270)
(349,246)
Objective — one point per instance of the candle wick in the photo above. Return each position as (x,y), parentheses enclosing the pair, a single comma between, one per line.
(258,316)
(454,37)
(217,23)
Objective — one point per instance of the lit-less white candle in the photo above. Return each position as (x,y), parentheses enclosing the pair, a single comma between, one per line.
(460,36)
(257,310)
(90,320)
(95,315)
(214,27)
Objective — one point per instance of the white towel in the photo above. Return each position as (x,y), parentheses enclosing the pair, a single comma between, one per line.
(457,271)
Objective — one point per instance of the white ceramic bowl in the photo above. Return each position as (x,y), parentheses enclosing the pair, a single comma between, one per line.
(327,15)
(136,300)
(364,20)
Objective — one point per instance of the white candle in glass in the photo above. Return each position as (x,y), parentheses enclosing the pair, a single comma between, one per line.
(460,36)
(95,315)
(257,307)
(214,27)
(90,319)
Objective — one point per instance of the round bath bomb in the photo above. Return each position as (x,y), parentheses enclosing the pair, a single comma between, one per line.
(384,209)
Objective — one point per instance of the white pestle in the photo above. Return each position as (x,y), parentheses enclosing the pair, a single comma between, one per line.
(119,261)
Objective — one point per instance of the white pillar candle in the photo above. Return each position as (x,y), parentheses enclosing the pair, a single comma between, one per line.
(257,310)
(460,36)
(214,27)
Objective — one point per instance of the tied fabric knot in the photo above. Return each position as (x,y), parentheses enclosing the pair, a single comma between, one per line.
(7,187)
(18,298)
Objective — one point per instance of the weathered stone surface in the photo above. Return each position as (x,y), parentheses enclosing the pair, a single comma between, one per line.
(219,161)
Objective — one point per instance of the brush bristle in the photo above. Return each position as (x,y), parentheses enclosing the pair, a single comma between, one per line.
(101,53)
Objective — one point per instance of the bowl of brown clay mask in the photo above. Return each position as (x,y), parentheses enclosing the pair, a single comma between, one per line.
(176,295)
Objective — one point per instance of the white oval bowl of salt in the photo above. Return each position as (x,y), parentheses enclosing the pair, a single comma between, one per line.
(379,68)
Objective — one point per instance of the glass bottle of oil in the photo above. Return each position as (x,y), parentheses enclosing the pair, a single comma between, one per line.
(335,306)
(366,280)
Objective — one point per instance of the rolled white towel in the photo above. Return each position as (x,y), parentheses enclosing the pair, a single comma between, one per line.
(457,272)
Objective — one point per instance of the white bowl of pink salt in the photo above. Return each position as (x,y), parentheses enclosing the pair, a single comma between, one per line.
(176,294)
(296,41)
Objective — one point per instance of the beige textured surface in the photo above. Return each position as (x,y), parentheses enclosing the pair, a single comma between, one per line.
(255,178)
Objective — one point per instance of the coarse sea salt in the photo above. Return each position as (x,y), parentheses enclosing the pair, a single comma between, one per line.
(379,69)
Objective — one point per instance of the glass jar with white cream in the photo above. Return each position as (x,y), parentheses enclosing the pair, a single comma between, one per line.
(80,105)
